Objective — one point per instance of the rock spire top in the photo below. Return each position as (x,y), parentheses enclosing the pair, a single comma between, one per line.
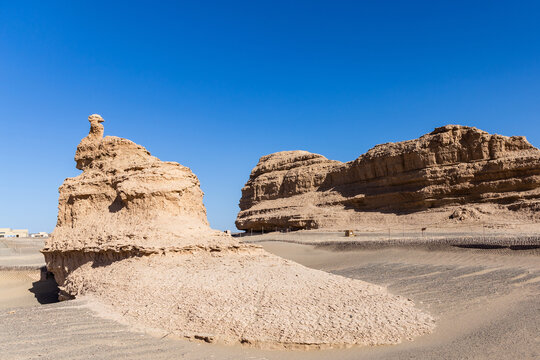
(96,129)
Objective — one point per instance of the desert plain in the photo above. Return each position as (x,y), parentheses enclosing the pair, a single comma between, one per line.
(484,300)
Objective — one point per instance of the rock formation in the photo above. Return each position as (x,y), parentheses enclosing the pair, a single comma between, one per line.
(451,166)
(132,234)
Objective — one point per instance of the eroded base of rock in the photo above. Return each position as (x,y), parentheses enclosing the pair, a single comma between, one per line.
(248,296)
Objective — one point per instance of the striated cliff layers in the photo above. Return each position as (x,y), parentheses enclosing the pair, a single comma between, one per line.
(132,235)
(453,165)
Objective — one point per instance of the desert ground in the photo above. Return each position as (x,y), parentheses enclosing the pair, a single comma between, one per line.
(484,298)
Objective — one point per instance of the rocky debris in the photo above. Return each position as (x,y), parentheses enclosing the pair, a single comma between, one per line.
(462,214)
(132,234)
(451,166)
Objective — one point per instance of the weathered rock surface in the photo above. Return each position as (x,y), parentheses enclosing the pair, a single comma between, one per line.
(451,166)
(132,233)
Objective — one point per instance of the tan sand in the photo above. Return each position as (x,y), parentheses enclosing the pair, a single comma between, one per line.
(21,287)
(485,301)
(209,296)
(14,288)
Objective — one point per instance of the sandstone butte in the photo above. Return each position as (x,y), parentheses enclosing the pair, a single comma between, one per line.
(453,173)
(132,235)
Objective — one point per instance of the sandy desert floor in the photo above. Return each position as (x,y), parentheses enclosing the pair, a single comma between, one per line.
(486,301)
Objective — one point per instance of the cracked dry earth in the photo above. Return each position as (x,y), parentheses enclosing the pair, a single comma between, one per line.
(249,295)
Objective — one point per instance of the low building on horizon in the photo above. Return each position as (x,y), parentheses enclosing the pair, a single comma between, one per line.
(41,234)
(10,233)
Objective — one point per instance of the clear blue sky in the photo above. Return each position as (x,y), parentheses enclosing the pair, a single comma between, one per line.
(216,85)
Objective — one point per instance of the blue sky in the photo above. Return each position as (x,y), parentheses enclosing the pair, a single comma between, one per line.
(216,85)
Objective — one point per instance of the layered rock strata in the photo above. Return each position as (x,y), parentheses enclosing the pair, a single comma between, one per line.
(132,234)
(451,166)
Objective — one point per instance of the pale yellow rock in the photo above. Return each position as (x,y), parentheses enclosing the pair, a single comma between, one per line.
(132,234)
(449,167)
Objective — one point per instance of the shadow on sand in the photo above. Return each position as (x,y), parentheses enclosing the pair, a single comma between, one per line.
(45,290)
(491,246)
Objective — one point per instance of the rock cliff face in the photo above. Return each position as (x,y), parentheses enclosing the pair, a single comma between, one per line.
(453,165)
(132,235)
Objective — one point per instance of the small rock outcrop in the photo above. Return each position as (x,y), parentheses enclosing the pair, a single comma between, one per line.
(451,166)
(132,235)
